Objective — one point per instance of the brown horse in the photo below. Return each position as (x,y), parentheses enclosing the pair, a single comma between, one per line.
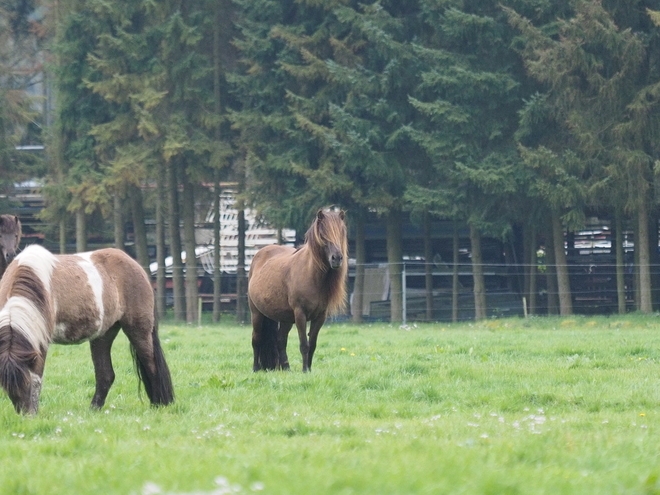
(69,299)
(288,286)
(10,236)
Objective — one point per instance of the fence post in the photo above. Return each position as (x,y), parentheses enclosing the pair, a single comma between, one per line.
(403,296)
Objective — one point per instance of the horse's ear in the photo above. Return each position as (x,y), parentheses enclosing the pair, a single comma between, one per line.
(320,214)
(342,214)
(16,219)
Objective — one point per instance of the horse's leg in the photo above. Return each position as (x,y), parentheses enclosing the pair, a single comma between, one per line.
(301,325)
(102,359)
(282,339)
(314,329)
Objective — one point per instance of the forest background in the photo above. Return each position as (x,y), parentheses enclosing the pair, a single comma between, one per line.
(493,114)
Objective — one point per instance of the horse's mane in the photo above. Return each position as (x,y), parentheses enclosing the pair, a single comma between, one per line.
(26,300)
(15,353)
(329,228)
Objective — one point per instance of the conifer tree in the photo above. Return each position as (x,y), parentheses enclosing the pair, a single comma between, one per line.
(349,76)
(597,135)
(466,103)
(76,180)
(275,155)
(155,73)
(21,53)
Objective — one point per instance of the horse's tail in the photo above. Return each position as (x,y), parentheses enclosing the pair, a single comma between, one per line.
(158,385)
(266,349)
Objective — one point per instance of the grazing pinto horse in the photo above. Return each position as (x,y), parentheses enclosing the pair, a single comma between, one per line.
(10,236)
(68,299)
(288,286)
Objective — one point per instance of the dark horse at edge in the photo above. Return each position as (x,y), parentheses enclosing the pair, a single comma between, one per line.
(290,286)
(10,237)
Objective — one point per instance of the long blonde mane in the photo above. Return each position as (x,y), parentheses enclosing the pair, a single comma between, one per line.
(329,228)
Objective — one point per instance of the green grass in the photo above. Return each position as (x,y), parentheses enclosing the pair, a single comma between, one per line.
(504,406)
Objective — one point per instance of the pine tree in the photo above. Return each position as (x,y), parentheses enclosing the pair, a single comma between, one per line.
(262,119)
(77,179)
(154,71)
(21,48)
(466,103)
(350,104)
(590,136)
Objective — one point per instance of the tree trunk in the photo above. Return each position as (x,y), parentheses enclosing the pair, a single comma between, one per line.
(175,243)
(637,290)
(192,293)
(161,280)
(551,274)
(217,261)
(532,271)
(360,260)
(241,279)
(63,235)
(139,230)
(515,250)
(653,257)
(563,280)
(526,262)
(428,267)
(642,243)
(394,260)
(454,278)
(478,274)
(220,11)
(619,251)
(118,220)
(81,231)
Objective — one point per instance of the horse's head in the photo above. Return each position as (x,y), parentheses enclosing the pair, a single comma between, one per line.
(26,398)
(20,370)
(328,233)
(10,236)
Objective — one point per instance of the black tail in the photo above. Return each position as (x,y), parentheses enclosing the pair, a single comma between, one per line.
(266,352)
(158,385)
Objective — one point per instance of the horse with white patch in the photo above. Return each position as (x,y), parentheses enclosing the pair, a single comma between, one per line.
(69,299)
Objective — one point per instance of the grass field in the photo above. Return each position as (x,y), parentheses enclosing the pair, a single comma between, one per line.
(504,406)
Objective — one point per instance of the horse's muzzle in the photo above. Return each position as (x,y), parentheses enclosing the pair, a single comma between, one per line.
(336,261)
